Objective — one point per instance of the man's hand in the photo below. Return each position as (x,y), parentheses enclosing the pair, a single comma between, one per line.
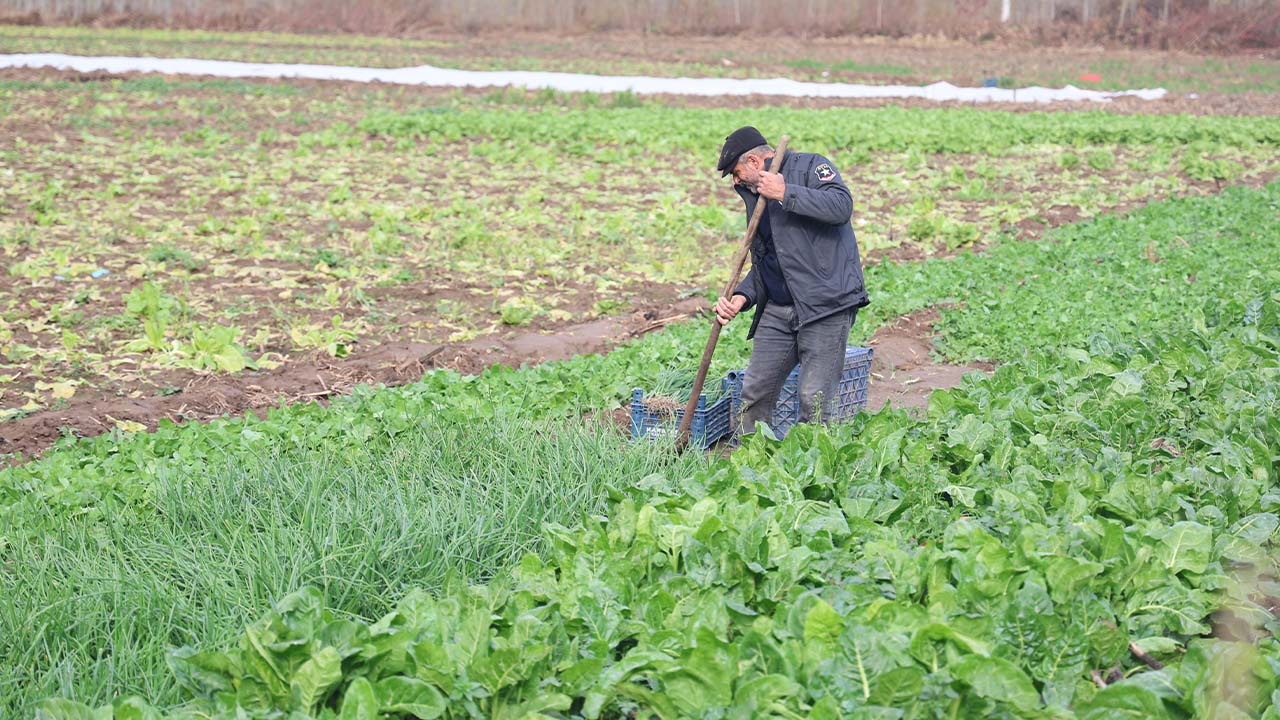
(771,186)
(727,309)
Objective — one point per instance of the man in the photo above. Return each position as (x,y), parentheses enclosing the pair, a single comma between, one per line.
(805,281)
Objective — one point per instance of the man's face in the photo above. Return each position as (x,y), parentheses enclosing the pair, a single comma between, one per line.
(747,172)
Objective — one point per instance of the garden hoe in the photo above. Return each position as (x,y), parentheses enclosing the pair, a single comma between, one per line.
(682,435)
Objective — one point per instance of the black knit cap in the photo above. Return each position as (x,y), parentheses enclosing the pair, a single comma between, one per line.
(738,142)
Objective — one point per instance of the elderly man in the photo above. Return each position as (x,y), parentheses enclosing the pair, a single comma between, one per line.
(805,280)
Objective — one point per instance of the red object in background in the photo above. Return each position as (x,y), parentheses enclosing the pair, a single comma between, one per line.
(1090,77)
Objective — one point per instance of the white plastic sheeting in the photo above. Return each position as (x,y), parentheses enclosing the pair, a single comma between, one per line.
(567,82)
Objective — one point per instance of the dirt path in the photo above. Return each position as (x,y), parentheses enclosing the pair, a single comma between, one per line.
(903,370)
(903,374)
(202,397)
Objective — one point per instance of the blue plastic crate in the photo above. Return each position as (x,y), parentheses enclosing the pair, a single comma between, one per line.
(710,421)
(851,396)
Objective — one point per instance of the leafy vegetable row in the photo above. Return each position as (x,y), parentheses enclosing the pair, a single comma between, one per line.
(629,133)
(1106,498)
(1060,540)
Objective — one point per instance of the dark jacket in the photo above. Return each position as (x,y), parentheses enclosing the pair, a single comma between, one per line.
(813,240)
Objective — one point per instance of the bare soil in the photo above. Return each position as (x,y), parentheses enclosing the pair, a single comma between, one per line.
(201,397)
(904,371)
(903,375)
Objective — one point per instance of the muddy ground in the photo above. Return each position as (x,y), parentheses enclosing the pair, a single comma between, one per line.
(903,374)
(201,397)
(904,371)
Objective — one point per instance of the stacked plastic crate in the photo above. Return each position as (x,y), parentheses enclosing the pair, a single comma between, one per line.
(716,420)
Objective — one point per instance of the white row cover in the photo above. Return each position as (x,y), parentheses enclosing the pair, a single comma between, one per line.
(567,82)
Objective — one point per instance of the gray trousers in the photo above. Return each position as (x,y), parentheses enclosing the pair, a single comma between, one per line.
(778,345)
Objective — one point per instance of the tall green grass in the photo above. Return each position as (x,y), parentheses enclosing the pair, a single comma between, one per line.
(90,603)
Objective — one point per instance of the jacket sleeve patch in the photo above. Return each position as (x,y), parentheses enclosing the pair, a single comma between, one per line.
(825,173)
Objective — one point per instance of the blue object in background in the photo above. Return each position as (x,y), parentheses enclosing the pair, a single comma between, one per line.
(100,272)
(851,393)
(991,82)
(711,421)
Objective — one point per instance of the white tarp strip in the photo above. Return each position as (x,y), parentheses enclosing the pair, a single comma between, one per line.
(568,82)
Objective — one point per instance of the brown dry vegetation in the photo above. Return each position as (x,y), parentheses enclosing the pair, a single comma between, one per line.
(1217,25)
